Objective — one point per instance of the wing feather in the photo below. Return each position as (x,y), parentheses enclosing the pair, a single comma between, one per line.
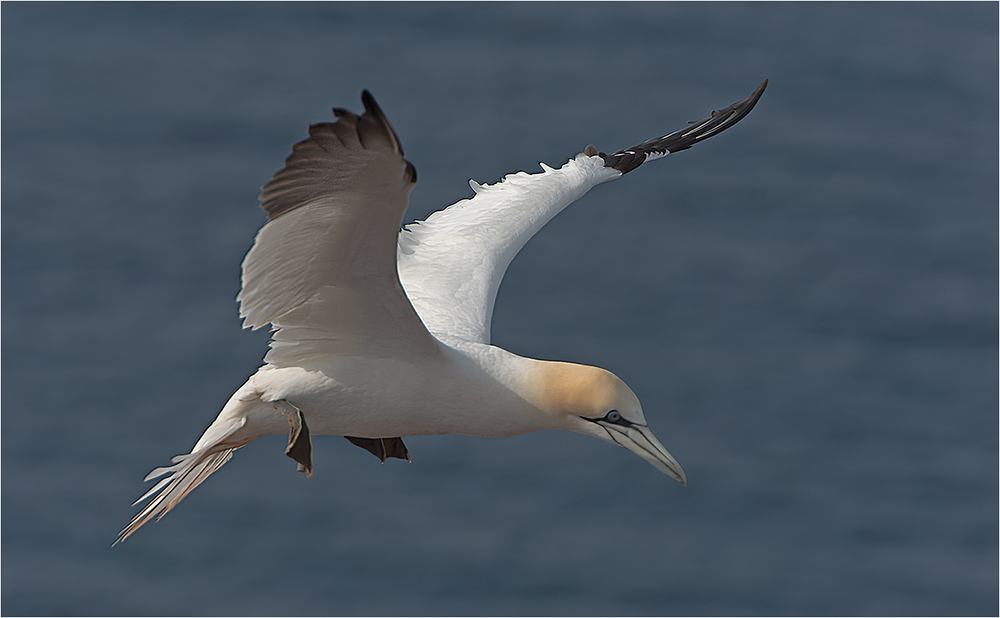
(451,264)
(322,271)
(630,158)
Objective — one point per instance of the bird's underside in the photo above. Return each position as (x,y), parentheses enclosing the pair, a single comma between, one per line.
(300,441)
(334,277)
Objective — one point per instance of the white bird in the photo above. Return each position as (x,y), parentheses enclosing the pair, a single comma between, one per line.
(380,333)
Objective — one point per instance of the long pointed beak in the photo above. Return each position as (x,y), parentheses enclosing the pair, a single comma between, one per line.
(641,441)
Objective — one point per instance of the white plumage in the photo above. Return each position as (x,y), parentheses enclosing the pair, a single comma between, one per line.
(461,253)
(381,333)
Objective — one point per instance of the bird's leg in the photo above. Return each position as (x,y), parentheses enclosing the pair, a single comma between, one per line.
(299,441)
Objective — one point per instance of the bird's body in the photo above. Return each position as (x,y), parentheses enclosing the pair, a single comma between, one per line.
(415,396)
(381,333)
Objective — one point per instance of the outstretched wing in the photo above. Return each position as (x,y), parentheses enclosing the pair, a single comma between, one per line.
(322,271)
(451,264)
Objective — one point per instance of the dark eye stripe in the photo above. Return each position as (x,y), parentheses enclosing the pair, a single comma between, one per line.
(613,417)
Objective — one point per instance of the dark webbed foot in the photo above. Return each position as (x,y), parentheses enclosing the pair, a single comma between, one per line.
(382,447)
(299,441)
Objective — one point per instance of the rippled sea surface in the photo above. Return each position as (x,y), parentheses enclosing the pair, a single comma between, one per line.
(806,306)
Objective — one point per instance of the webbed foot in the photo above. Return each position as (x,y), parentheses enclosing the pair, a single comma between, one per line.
(299,441)
(382,447)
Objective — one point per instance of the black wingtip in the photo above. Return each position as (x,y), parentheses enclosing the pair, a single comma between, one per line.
(751,100)
(369,102)
(371,107)
(630,158)
(374,111)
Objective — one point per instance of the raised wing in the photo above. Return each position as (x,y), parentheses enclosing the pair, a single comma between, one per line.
(451,264)
(322,271)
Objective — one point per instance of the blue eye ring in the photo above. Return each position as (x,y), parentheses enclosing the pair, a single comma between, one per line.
(613,416)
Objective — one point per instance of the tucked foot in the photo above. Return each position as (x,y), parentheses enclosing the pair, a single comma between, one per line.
(299,441)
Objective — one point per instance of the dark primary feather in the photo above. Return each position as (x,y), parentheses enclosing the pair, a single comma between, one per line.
(320,165)
(630,158)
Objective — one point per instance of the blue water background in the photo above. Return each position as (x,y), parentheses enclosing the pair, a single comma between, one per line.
(807,307)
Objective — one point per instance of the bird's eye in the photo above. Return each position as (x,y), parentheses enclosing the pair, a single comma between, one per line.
(613,416)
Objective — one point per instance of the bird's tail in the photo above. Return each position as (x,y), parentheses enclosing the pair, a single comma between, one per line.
(179,479)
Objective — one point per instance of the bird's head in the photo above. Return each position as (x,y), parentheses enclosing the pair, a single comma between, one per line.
(594,401)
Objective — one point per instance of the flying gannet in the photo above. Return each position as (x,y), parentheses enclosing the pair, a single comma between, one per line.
(381,332)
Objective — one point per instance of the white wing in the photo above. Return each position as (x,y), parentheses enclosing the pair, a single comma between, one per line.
(322,271)
(451,264)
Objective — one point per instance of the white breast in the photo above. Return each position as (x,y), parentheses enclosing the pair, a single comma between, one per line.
(474,389)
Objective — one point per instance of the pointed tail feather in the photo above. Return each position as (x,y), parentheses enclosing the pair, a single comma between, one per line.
(187,473)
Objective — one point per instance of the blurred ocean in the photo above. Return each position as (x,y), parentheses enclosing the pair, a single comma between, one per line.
(807,307)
